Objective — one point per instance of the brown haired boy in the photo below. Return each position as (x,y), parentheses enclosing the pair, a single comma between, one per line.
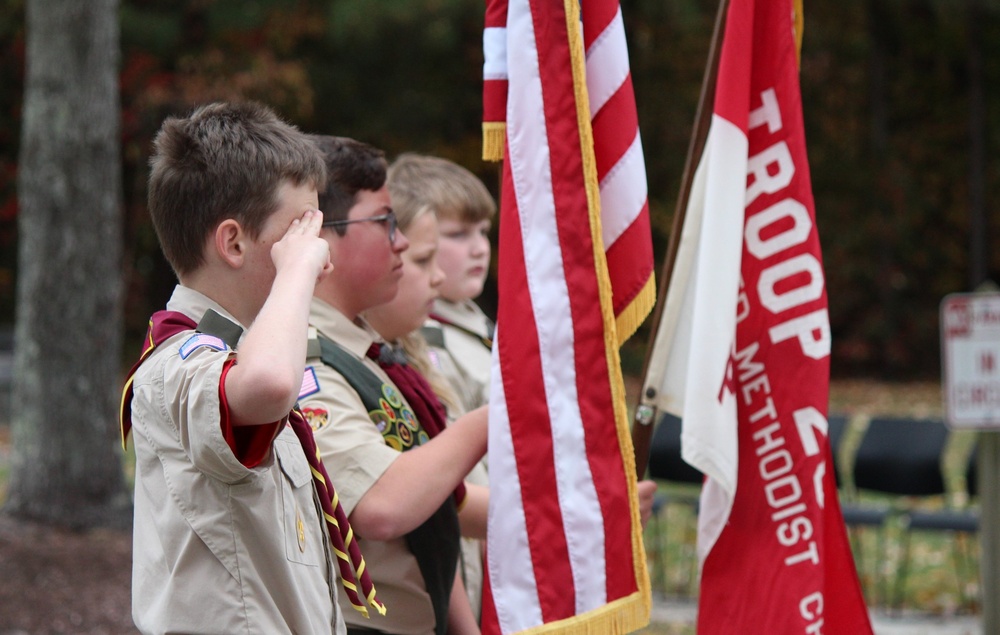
(396,475)
(229,535)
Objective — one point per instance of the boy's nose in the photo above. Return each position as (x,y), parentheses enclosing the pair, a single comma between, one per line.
(400,243)
(437,276)
(480,245)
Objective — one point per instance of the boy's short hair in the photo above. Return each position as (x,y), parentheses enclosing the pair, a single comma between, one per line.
(225,160)
(351,166)
(419,181)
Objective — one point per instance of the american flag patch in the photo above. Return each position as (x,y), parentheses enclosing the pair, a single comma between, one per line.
(310,385)
(198,340)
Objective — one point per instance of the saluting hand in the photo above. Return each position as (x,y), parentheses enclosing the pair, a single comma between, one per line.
(302,244)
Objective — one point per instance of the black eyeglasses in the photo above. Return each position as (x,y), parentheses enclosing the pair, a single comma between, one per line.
(388,219)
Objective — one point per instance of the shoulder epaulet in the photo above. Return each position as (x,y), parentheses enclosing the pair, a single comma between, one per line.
(313,349)
(223,328)
(486,340)
(434,334)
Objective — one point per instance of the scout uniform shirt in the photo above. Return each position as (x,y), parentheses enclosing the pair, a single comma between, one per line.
(219,547)
(464,354)
(459,342)
(356,455)
(472,548)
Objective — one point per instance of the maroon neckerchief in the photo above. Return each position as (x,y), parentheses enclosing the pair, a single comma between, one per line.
(349,558)
(418,393)
(164,325)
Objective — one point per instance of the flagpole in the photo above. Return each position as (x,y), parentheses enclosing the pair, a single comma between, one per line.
(642,428)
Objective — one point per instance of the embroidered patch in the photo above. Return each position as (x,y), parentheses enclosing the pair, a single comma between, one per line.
(435,360)
(198,340)
(392,396)
(405,435)
(316,417)
(397,423)
(310,385)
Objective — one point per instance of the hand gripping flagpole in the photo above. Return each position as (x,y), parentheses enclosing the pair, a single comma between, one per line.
(645,414)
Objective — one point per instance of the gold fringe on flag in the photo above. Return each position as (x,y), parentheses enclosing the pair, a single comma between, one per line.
(632,316)
(798,24)
(630,612)
(624,615)
(494,137)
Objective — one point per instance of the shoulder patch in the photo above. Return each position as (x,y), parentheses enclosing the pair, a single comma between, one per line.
(310,385)
(198,340)
(318,418)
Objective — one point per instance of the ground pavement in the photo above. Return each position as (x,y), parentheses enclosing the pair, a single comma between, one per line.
(684,612)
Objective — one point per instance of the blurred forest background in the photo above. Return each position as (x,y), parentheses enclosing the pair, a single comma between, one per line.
(900,102)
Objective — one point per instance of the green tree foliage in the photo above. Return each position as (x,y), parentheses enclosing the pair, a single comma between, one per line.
(403,75)
(416,63)
(885,91)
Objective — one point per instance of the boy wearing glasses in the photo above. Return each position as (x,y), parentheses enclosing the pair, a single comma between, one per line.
(398,480)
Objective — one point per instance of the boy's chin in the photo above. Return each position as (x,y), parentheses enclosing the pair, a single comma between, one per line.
(473,291)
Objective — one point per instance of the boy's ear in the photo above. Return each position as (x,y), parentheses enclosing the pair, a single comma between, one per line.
(230,242)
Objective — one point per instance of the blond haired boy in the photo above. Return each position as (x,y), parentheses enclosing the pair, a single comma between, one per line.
(460,332)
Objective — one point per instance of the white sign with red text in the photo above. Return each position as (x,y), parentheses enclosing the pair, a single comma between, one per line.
(970,351)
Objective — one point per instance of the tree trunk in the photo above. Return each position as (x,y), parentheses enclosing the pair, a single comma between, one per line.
(66,467)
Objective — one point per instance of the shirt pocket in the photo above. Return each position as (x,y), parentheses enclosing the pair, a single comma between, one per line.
(300,519)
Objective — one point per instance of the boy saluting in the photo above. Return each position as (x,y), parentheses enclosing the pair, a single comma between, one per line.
(232,533)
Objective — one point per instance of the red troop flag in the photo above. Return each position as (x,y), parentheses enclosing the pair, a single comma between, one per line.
(565,550)
(742,351)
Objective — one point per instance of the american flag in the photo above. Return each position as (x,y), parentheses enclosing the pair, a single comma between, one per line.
(615,144)
(564,541)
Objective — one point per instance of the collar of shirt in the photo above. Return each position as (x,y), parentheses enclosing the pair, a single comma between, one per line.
(355,337)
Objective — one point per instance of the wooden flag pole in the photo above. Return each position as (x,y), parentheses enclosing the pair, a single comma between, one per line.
(642,427)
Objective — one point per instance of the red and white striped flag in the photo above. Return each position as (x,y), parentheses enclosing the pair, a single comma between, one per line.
(565,549)
(617,147)
(494,79)
(742,353)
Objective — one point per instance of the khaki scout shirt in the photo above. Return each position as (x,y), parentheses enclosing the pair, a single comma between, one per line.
(465,360)
(219,547)
(355,455)
(472,550)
